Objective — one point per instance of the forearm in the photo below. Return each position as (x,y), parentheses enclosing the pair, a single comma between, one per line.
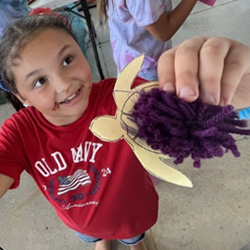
(5,184)
(178,16)
(168,24)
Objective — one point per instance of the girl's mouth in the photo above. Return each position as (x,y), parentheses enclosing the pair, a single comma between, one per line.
(69,100)
(70,97)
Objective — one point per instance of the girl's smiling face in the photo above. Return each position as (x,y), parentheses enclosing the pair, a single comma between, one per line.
(53,75)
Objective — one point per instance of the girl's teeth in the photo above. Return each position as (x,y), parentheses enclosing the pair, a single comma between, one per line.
(68,99)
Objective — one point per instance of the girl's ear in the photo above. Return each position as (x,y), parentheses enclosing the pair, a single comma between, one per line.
(21,99)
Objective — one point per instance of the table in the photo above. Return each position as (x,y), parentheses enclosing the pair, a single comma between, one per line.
(53,4)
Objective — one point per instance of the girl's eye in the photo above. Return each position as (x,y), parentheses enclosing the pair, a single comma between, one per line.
(39,82)
(67,60)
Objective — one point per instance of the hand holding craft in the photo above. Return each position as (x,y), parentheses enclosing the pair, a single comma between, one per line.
(158,125)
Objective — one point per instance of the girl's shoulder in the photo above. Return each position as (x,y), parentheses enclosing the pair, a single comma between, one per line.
(20,120)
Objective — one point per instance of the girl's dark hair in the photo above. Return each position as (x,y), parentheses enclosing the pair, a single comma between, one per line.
(16,37)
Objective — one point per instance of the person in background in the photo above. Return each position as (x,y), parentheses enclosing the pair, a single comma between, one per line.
(142,27)
(11,10)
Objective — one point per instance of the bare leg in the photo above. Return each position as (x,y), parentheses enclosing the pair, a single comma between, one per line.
(103,245)
(140,246)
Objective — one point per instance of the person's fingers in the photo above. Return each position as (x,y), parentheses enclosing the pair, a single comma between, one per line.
(166,70)
(187,67)
(216,69)
(212,56)
(236,65)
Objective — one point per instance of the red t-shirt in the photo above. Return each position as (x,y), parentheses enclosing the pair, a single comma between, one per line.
(97,188)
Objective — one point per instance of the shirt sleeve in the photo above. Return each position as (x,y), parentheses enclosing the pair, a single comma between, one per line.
(145,12)
(11,157)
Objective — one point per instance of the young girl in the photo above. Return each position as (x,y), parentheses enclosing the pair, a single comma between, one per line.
(138,27)
(98,189)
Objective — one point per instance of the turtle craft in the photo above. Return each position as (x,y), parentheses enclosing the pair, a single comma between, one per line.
(158,125)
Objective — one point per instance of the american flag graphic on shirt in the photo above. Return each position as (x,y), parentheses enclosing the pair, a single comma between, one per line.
(71,182)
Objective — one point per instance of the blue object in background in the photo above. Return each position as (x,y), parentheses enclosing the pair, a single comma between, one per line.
(79,28)
(244,114)
(10,11)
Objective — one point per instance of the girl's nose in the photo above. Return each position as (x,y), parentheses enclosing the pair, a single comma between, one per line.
(61,83)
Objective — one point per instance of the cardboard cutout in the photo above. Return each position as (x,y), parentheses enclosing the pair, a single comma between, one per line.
(120,126)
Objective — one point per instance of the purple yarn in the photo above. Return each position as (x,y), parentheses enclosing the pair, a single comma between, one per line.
(179,129)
